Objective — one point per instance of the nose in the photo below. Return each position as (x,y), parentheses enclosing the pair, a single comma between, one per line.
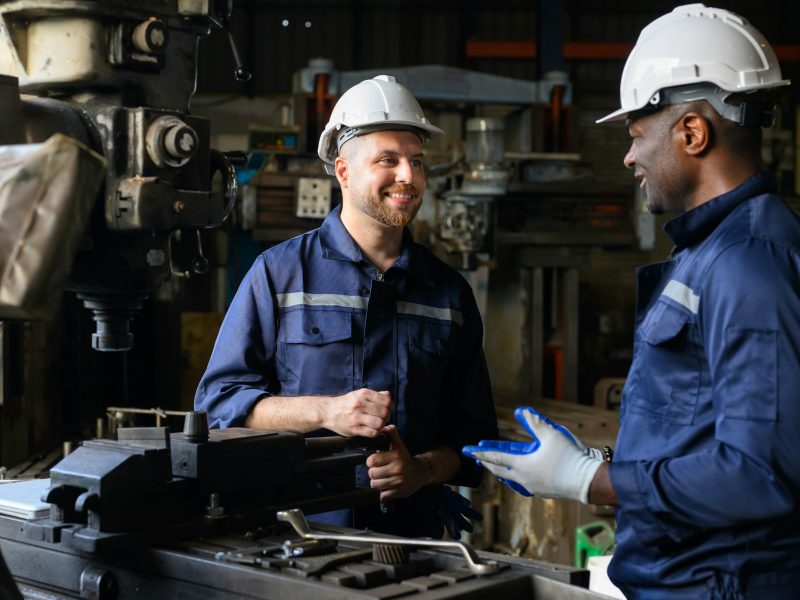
(404,172)
(629,160)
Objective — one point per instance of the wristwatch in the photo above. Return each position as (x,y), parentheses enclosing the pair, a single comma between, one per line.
(608,453)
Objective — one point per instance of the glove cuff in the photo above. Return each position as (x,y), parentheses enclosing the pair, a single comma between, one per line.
(587,472)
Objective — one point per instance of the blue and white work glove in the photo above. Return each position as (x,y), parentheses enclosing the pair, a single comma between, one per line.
(555,464)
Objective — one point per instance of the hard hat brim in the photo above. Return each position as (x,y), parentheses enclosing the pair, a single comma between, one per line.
(617,115)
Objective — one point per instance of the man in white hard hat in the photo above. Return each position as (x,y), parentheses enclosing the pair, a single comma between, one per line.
(355,329)
(706,472)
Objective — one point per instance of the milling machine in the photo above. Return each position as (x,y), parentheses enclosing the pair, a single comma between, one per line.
(116,77)
(219,514)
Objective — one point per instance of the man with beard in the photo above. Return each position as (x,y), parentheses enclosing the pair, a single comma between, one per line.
(355,329)
(706,472)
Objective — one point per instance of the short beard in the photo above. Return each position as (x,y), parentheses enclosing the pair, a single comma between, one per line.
(386,215)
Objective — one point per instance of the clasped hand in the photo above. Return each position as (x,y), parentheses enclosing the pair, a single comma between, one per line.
(360,412)
(396,473)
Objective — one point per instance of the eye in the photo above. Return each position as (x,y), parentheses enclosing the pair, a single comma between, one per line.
(388,160)
(416,163)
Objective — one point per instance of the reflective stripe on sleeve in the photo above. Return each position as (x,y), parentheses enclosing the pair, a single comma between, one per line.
(682,294)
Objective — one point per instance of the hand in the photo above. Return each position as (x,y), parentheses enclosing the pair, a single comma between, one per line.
(456,513)
(554,465)
(360,412)
(395,472)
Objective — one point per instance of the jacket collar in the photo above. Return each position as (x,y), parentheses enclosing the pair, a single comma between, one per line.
(337,244)
(695,225)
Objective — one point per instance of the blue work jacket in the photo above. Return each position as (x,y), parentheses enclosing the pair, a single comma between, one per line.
(313,317)
(707,462)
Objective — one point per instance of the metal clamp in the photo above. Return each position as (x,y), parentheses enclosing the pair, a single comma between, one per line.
(297,520)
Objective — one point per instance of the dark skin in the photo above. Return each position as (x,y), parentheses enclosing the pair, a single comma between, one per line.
(686,155)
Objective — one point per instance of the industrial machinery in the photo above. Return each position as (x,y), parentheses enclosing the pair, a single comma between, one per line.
(107,84)
(117,77)
(219,514)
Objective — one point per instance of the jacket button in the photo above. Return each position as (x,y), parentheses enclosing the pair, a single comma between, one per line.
(315,329)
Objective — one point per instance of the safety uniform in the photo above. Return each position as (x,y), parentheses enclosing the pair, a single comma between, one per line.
(314,317)
(706,467)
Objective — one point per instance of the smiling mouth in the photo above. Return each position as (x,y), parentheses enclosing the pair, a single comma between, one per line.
(401,198)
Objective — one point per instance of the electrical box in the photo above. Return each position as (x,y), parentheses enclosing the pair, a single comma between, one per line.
(313,197)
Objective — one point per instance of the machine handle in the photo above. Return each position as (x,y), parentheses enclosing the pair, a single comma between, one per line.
(297,520)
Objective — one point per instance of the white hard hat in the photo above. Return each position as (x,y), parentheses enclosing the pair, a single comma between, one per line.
(373,105)
(696,44)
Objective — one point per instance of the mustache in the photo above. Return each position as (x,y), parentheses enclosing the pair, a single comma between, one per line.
(401,189)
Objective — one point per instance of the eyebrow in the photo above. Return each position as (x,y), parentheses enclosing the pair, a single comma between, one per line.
(397,152)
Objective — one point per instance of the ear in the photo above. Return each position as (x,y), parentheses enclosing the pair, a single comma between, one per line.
(342,169)
(695,131)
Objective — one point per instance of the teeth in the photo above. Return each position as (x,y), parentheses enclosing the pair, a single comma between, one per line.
(401,196)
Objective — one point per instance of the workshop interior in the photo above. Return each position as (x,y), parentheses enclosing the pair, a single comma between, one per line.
(152,149)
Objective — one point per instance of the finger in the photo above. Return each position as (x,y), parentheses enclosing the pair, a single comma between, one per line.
(394,437)
(501,446)
(497,470)
(498,459)
(463,524)
(386,483)
(373,422)
(473,514)
(369,406)
(529,418)
(542,428)
(383,398)
(383,460)
(389,495)
(364,431)
(470,450)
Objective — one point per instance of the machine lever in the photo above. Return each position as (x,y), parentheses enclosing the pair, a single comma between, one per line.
(241,72)
(297,520)
(199,262)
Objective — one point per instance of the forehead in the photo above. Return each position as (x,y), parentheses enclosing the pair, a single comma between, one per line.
(400,142)
(641,120)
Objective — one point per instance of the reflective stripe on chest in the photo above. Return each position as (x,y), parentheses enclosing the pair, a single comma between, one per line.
(360,302)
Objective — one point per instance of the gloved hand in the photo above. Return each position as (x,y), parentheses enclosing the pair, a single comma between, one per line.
(456,513)
(555,464)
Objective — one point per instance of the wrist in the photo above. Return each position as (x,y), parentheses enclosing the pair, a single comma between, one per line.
(427,469)
(318,415)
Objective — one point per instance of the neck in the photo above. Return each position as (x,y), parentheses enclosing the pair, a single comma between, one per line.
(721,180)
(380,243)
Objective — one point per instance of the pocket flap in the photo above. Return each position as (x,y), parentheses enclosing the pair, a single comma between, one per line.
(427,337)
(315,327)
(664,323)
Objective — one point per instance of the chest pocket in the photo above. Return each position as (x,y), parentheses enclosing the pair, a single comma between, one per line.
(423,374)
(315,352)
(669,367)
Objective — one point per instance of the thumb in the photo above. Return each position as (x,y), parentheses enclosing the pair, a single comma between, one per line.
(394,437)
(533,422)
